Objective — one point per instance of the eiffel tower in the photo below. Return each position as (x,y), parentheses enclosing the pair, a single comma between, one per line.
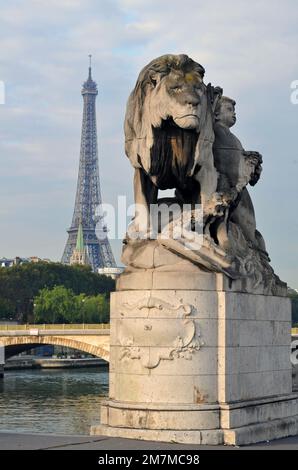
(87,211)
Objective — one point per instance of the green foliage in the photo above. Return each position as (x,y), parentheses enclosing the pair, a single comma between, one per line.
(61,305)
(57,305)
(95,309)
(19,285)
(294,298)
(6,308)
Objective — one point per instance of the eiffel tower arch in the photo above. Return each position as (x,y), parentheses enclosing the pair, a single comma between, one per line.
(87,211)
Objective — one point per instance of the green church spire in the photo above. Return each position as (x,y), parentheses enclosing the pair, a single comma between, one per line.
(80,239)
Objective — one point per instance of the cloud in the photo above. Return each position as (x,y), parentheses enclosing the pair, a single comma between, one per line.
(247,48)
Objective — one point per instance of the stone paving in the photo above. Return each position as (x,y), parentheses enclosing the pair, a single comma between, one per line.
(14,441)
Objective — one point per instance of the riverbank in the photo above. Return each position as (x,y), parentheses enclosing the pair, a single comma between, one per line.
(14,441)
(36,362)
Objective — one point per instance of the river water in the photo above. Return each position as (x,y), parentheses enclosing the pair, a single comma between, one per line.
(58,401)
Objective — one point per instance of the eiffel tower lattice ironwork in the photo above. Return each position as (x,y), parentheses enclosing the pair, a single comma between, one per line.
(87,210)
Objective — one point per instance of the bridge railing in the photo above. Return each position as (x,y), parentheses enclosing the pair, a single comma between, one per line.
(58,326)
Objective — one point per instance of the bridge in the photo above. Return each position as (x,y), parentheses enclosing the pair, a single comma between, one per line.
(92,339)
(89,338)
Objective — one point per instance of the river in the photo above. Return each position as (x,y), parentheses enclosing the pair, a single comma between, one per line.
(52,401)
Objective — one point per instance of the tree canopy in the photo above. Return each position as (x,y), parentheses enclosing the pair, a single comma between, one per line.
(294,298)
(19,285)
(61,305)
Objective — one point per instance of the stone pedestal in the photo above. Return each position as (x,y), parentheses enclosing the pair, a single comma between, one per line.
(196,358)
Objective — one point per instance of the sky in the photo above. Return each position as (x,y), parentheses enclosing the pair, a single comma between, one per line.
(247,48)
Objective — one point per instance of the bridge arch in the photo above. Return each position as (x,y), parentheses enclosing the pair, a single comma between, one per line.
(19,343)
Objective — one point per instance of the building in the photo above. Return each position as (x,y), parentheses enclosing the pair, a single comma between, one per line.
(87,211)
(110,272)
(79,254)
(9,262)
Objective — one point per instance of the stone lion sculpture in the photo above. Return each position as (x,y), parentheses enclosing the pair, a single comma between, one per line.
(177,135)
(169,133)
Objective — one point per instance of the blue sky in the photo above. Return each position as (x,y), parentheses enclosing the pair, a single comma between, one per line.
(248,48)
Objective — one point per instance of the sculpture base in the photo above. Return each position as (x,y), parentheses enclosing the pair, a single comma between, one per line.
(231,424)
(194,359)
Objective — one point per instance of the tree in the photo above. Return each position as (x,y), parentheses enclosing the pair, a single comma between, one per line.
(61,305)
(20,284)
(6,309)
(57,305)
(294,298)
(95,309)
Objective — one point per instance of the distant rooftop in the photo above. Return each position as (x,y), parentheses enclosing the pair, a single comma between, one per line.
(8,262)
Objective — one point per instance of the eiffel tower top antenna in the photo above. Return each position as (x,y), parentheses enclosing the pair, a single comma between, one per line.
(90,66)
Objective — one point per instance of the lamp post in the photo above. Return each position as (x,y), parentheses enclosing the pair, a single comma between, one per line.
(83,300)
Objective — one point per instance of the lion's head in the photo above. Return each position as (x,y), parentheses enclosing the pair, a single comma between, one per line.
(169,112)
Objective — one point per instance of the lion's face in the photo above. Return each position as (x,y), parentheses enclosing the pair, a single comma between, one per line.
(169,118)
(178,96)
